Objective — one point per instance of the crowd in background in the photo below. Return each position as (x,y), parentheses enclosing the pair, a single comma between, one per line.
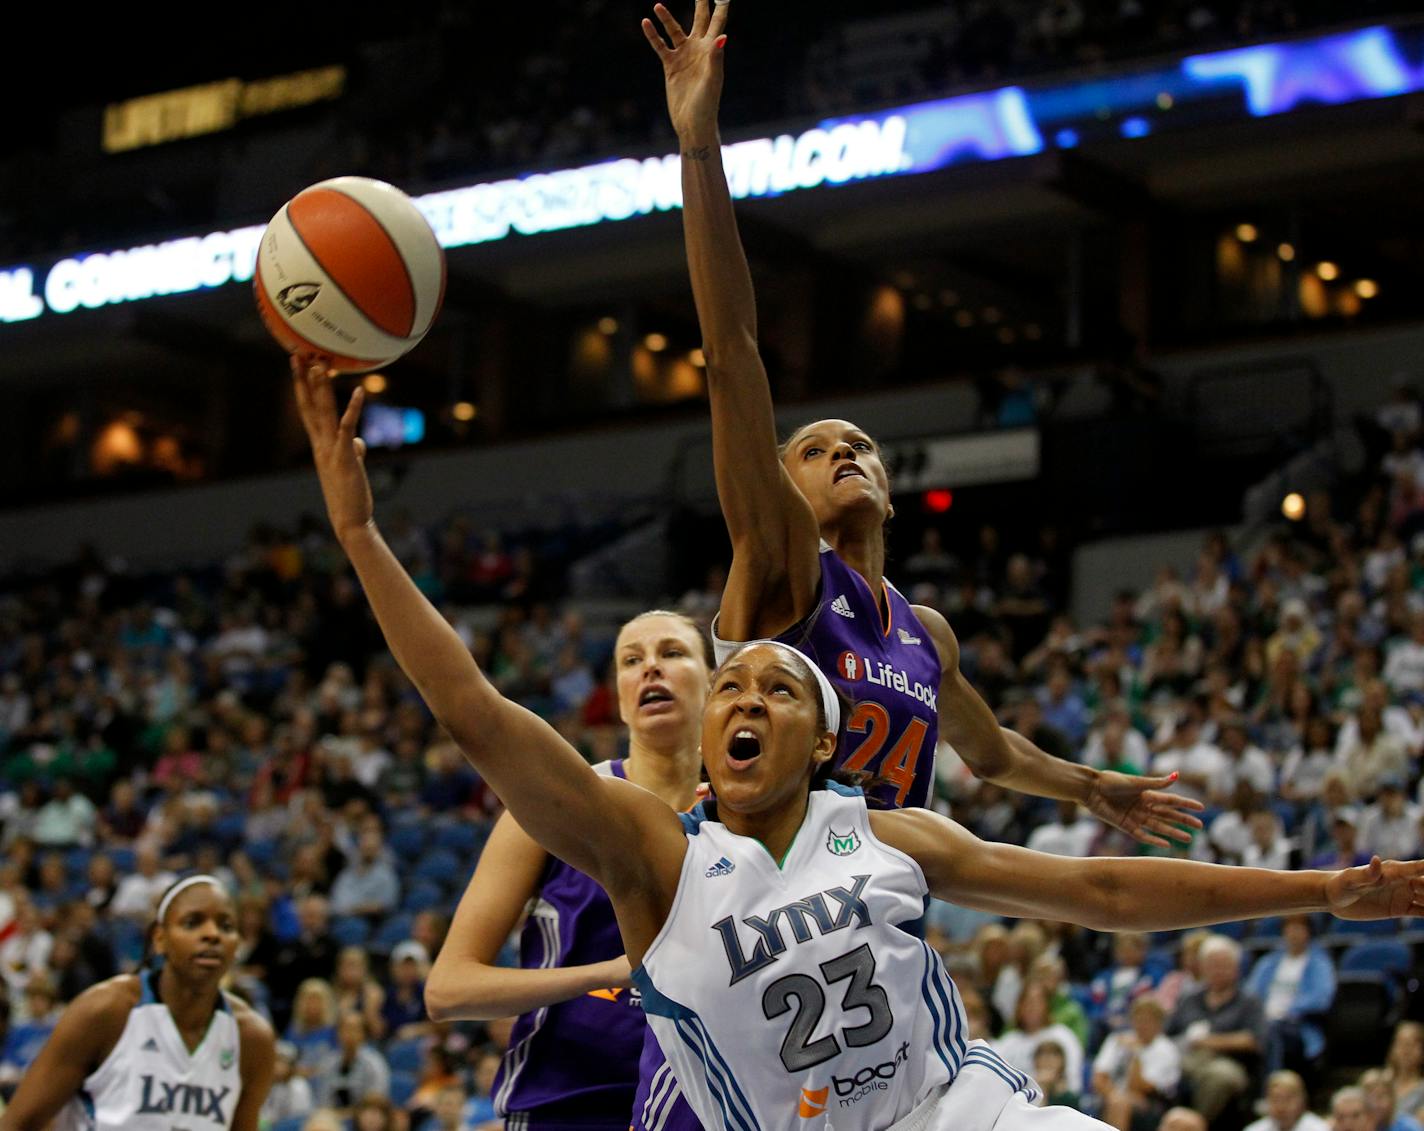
(247,721)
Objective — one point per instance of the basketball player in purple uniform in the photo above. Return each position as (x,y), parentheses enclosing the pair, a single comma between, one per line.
(573,1055)
(807,523)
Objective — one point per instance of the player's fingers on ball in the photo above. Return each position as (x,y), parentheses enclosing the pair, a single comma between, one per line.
(353,412)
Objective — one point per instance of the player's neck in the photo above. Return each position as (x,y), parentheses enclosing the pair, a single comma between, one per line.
(671,772)
(191,1006)
(776,829)
(861,549)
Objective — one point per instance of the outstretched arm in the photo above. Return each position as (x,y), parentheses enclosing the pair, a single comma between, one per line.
(612,833)
(1137,805)
(1111,893)
(774,534)
(465,984)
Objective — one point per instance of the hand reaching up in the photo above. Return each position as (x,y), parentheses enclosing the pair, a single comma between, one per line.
(340,455)
(692,68)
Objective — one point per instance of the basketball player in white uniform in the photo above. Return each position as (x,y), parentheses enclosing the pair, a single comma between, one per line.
(160,1050)
(790,988)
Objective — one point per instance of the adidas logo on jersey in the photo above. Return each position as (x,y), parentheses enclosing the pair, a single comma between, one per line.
(723,867)
(906,638)
(150,1045)
(842,606)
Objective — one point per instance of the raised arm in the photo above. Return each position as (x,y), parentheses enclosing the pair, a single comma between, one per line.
(774,534)
(1110,893)
(1138,806)
(465,984)
(602,826)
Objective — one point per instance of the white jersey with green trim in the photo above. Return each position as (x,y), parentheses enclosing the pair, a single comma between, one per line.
(788,998)
(151,1082)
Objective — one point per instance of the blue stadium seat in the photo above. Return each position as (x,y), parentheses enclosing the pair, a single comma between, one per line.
(295,1123)
(464,840)
(1235,930)
(1367,927)
(230,827)
(262,853)
(1268,928)
(125,859)
(394,930)
(422,895)
(76,863)
(1383,957)
(440,866)
(406,1056)
(126,937)
(349,930)
(403,1085)
(407,842)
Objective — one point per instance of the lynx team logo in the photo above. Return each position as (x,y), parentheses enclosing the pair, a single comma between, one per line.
(225,1058)
(842,844)
(849,665)
(297,297)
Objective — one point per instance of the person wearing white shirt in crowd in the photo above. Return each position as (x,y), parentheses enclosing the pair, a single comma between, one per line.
(1137,1069)
(1375,755)
(25,951)
(1072,834)
(1286,1106)
(1269,847)
(138,892)
(1246,761)
(1034,1027)
(291,1094)
(1185,752)
(1404,667)
(1390,827)
(66,820)
(1116,744)
(1230,832)
(1397,720)
(1305,766)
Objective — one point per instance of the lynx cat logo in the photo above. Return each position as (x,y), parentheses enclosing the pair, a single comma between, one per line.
(842,844)
(297,297)
(849,663)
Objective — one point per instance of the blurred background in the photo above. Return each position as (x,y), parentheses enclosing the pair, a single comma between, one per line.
(1121,288)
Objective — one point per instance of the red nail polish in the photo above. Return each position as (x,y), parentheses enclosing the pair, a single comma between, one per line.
(721,42)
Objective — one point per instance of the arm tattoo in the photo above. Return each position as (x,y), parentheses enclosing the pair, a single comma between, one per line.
(701,153)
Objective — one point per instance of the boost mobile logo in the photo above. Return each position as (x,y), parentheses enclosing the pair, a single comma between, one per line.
(297,297)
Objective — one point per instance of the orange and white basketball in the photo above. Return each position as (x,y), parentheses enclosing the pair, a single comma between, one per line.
(350,270)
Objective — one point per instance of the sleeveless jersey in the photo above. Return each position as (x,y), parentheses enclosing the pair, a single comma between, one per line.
(790,998)
(574,1063)
(890,672)
(150,1082)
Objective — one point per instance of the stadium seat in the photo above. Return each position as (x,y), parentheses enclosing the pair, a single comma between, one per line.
(126,937)
(403,1085)
(350,930)
(1267,928)
(125,859)
(295,1123)
(464,840)
(1235,930)
(1383,957)
(262,853)
(440,866)
(76,863)
(407,842)
(1359,1022)
(394,930)
(1367,927)
(406,1056)
(230,827)
(422,895)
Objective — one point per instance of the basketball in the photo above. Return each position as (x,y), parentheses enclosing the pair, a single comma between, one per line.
(350,270)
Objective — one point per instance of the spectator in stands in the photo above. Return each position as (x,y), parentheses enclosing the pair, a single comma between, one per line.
(403,1011)
(353,1070)
(1050,1072)
(1349,1112)
(1115,988)
(1063,707)
(479,1111)
(1269,847)
(1182,1119)
(1183,750)
(1137,1069)
(291,1094)
(1380,1102)
(377,1113)
(1344,833)
(357,992)
(1374,755)
(1222,1030)
(1026,942)
(1405,1064)
(438,1070)
(24,951)
(324,1119)
(1287,1107)
(138,892)
(1245,761)
(1404,665)
(447,1112)
(1296,986)
(25,1037)
(1306,764)
(313,1028)
(66,820)
(1390,827)
(311,953)
(1049,971)
(1115,744)
(1072,834)
(1034,1026)
(1230,831)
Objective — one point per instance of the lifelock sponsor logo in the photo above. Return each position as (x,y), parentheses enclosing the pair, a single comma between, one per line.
(883,674)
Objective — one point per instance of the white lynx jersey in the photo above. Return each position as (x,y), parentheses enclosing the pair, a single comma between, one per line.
(150,1082)
(787,998)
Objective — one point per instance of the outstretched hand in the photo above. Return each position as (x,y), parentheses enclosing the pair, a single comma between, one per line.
(1381,889)
(1141,807)
(340,455)
(692,66)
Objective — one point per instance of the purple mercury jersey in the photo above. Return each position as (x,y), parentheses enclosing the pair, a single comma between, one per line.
(575,1064)
(889,669)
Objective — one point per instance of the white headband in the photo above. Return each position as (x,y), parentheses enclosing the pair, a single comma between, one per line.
(183,885)
(830,702)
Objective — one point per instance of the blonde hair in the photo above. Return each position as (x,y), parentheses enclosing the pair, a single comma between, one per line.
(314,987)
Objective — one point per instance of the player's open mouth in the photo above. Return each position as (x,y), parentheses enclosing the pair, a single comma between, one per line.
(654,696)
(846,471)
(743,750)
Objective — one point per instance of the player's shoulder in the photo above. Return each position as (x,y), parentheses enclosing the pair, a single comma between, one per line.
(115,997)
(252,1027)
